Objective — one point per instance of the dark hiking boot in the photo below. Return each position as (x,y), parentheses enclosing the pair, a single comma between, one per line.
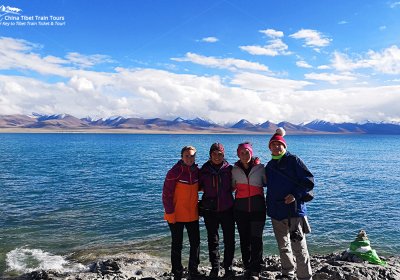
(195,274)
(178,275)
(213,274)
(247,274)
(229,273)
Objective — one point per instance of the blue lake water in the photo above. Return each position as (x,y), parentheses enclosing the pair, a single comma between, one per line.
(80,196)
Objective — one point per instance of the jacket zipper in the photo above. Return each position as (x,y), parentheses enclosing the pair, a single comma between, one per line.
(217,192)
(190,175)
(248,188)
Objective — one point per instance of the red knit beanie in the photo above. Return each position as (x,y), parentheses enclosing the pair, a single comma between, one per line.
(245,145)
(278,136)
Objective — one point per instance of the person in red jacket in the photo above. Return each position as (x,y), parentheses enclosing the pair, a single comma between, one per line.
(180,197)
(248,181)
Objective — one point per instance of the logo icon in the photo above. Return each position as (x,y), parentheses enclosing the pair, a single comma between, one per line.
(4,10)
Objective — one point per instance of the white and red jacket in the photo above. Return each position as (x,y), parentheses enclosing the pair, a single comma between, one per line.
(249,189)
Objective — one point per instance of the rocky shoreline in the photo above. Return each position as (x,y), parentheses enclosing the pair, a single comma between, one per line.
(326,267)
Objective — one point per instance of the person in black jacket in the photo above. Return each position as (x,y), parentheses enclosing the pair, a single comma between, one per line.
(288,182)
(216,182)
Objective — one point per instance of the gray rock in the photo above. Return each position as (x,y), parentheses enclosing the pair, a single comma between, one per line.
(336,266)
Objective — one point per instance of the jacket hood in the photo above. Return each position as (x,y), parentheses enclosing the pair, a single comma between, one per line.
(211,168)
(181,164)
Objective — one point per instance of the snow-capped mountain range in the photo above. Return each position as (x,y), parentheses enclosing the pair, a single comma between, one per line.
(68,122)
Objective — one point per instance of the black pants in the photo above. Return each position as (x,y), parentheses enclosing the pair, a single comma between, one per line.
(251,226)
(193,232)
(212,220)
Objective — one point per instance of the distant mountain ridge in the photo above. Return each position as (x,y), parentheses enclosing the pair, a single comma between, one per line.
(69,122)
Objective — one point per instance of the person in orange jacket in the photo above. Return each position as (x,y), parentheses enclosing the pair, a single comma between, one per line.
(180,197)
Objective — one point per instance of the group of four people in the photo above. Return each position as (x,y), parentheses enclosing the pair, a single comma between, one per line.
(235,194)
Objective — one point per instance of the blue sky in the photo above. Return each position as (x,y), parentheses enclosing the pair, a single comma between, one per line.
(222,60)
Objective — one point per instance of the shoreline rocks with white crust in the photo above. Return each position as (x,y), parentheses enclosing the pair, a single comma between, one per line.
(335,266)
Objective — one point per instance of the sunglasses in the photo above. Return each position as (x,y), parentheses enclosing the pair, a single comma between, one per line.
(190,156)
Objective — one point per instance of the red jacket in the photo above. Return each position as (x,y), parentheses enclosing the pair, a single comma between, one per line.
(249,189)
(180,193)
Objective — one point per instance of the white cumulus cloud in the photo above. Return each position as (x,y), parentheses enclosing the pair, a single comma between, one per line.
(272,33)
(312,38)
(303,64)
(85,61)
(223,63)
(329,77)
(386,61)
(210,39)
(251,91)
(275,46)
(81,83)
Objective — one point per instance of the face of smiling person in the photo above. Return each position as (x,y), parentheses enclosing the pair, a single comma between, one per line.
(245,156)
(217,157)
(189,157)
(277,148)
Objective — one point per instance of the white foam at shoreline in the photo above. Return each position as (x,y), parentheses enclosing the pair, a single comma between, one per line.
(25,260)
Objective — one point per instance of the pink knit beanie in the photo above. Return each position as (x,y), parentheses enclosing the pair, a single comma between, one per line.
(245,145)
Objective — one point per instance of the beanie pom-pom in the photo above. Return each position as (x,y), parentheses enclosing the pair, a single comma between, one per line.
(280,131)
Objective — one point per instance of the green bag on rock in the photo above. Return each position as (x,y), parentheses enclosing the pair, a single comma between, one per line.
(361,247)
